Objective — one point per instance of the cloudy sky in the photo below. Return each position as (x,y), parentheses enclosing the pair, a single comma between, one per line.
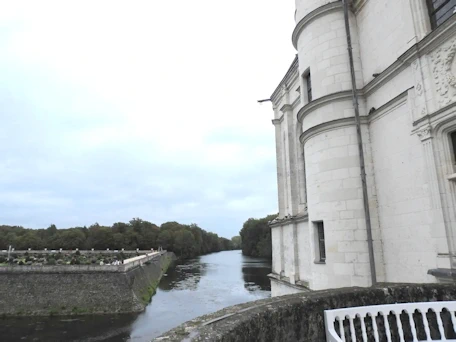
(111,110)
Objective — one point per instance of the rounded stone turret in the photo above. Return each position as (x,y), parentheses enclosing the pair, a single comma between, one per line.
(329,140)
(304,7)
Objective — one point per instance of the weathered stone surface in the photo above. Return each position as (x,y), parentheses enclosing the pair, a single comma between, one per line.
(298,317)
(61,293)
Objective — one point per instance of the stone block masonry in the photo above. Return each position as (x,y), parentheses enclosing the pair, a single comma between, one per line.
(76,290)
(300,317)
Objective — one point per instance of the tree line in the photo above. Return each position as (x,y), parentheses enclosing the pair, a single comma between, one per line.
(256,237)
(185,241)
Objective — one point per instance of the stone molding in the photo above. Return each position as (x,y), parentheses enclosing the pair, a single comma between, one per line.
(344,122)
(289,77)
(425,133)
(425,46)
(301,285)
(387,107)
(277,223)
(278,121)
(439,112)
(321,101)
(286,108)
(323,10)
(329,126)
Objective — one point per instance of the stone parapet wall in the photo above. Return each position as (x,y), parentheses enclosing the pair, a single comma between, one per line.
(129,264)
(75,289)
(83,252)
(298,317)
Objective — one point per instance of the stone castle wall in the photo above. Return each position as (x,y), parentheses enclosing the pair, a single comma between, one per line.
(71,289)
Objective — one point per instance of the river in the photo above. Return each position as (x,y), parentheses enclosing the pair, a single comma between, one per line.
(191,289)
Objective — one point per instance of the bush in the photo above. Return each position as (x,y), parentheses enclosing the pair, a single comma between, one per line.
(2,260)
(77,252)
(21,263)
(75,261)
(51,261)
(58,256)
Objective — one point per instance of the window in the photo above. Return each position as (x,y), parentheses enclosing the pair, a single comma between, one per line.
(453,144)
(440,11)
(309,87)
(321,250)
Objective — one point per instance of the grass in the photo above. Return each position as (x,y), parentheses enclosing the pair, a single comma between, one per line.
(78,311)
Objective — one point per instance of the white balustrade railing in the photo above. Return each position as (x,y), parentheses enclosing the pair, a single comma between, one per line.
(431,321)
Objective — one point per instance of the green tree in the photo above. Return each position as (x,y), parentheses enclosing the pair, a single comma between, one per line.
(165,239)
(236,240)
(256,237)
(184,243)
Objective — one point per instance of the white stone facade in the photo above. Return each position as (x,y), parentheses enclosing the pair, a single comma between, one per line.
(405,72)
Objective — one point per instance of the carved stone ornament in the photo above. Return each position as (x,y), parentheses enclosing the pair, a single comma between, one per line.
(425,133)
(443,64)
(419,89)
(284,90)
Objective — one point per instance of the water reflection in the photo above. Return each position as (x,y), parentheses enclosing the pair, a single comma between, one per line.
(255,274)
(194,288)
(183,276)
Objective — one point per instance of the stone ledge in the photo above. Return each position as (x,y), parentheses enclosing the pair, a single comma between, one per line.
(443,274)
(298,317)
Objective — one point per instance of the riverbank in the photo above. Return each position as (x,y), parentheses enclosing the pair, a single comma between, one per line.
(189,289)
(80,290)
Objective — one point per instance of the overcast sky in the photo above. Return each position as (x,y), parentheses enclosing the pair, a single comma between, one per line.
(111,110)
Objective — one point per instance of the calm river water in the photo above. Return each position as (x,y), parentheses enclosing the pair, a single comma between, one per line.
(194,288)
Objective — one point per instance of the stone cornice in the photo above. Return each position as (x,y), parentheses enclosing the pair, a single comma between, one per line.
(280,222)
(277,121)
(286,108)
(296,102)
(291,73)
(321,101)
(323,10)
(301,285)
(426,45)
(399,99)
(428,117)
(329,126)
(334,124)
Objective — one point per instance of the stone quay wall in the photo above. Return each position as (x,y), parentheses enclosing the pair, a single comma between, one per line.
(298,317)
(81,289)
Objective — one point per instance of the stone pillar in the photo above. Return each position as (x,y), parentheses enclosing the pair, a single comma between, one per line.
(280,170)
(439,230)
(292,174)
(282,253)
(296,252)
